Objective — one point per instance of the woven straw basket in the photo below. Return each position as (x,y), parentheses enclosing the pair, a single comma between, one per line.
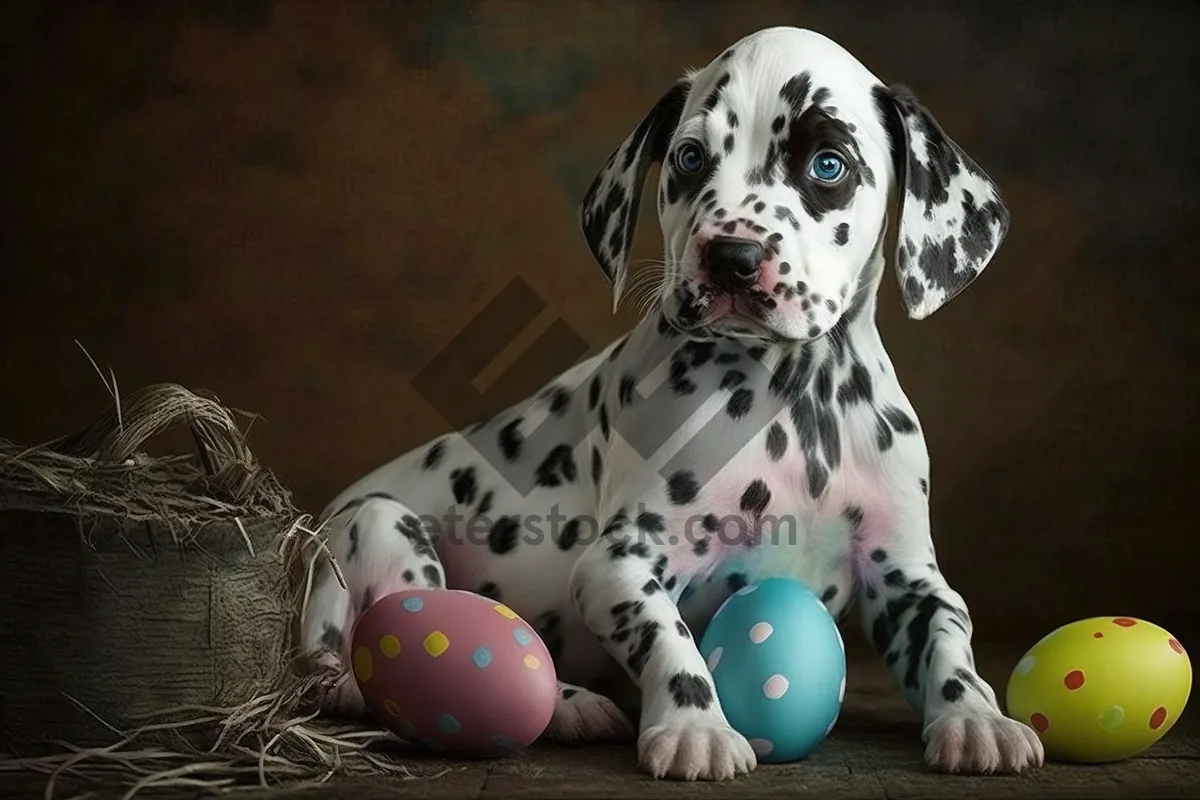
(132,584)
(148,611)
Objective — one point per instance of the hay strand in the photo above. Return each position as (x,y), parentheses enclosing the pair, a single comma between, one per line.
(101,476)
(273,739)
(101,470)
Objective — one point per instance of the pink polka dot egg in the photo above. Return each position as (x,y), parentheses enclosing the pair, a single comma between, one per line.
(454,672)
(779,667)
(1101,689)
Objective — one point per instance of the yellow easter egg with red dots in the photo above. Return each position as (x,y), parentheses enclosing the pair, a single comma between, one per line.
(1101,689)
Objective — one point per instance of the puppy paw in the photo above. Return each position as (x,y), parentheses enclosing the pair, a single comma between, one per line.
(583,716)
(695,752)
(981,742)
(340,694)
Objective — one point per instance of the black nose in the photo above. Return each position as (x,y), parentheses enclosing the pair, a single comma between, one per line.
(733,262)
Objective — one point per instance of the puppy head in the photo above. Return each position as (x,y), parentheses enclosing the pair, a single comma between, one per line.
(776,163)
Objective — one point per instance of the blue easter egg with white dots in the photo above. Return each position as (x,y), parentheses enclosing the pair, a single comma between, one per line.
(779,667)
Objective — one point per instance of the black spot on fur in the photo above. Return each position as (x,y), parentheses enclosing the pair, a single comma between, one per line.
(690,691)
(831,437)
(558,399)
(924,487)
(651,586)
(700,547)
(795,92)
(594,392)
(511,440)
(650,522)
(409,576)
(952,690)
(824,384)
(841,234)
(714,96)
(647,636)
(776,441)
(433,575)
(412,529)
(557,468)
(682,488)
(352,534)
(854,515)
(502,538)
(829,593)
(597,465)
(879,555)
(485,503)
(489,590)
(682,629)
(900,422)
(883,434)
(785,214)
(857,387)
(462,484)
(735,581)
(732,378)
(625,390)
(740,403)
(433,456)
(756,497)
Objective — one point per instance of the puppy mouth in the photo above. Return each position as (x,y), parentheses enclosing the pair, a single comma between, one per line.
(713,306)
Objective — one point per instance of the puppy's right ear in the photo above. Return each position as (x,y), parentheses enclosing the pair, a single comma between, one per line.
(609,211)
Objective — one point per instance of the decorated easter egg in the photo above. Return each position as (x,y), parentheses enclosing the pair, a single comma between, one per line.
(1101,689)
(454,671)
(779,667)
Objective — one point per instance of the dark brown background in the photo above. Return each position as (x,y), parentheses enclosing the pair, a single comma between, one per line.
(298,204)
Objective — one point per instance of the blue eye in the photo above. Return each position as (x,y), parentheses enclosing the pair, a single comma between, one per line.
(827,167)
(689,157)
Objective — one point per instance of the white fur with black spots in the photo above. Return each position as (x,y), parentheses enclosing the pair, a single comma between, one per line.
(750,426)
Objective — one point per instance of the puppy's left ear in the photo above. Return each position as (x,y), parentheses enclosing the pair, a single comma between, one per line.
(609,211)
(952,216)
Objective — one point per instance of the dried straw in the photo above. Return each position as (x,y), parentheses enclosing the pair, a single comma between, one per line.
(100,470)
(100,473)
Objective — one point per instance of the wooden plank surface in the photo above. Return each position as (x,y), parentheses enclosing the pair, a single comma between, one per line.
(874,753)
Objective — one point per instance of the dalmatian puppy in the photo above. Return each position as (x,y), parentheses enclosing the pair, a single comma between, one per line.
(750,426)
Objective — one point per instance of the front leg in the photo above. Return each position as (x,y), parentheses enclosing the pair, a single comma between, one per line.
(622,588)
(921,628)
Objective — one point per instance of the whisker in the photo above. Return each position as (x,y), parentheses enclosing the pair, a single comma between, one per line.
(644,287)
